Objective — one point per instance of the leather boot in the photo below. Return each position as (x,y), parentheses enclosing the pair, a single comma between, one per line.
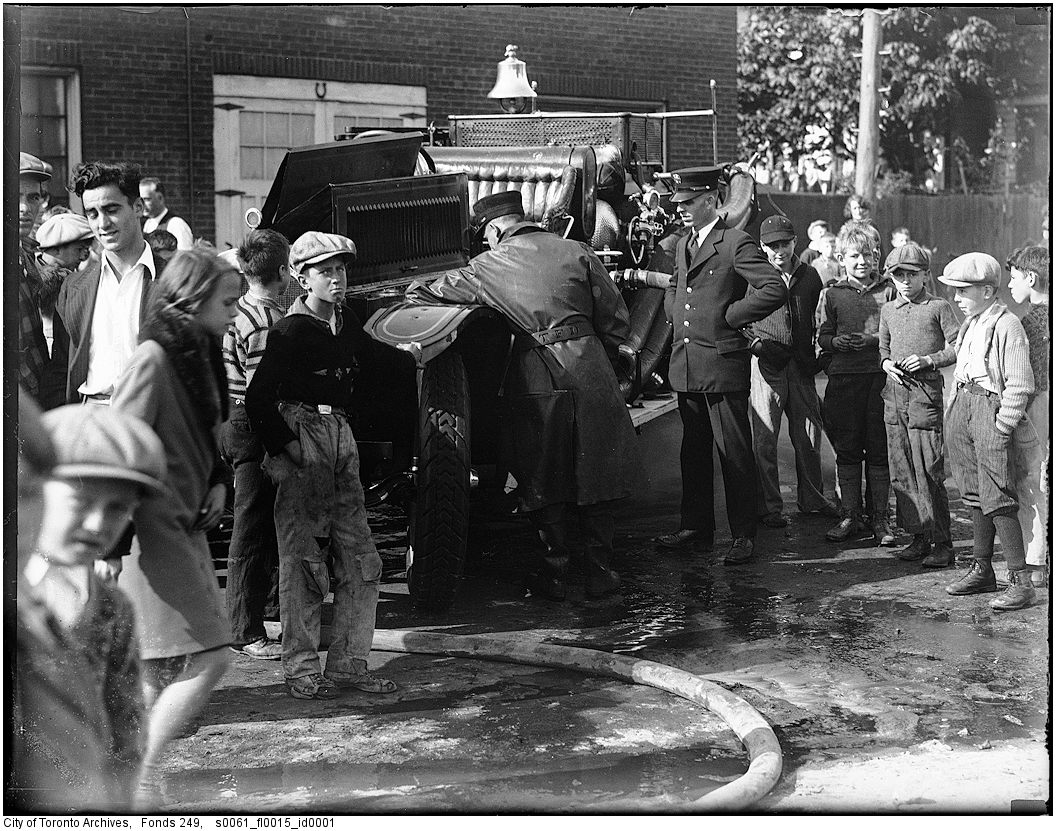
(850,527)
(941,555)
(599,527)
(1019,594)
(978,579)
(879,480)
(916,550)
(549,580)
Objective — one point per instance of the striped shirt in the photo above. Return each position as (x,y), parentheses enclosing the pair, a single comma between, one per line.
(245,341)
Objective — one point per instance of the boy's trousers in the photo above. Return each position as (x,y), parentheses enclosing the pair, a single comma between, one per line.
(854,418)
(913,417)
(791,392)
(980,454)
(323,498)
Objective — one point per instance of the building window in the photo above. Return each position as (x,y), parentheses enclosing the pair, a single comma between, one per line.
(50,124)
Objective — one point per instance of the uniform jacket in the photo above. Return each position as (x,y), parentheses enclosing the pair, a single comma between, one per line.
(74,309)
(793,325)
(708,305)
(567,434)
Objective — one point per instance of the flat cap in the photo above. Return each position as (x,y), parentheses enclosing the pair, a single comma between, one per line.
(691,182)
(492,207)
(776,228)
(63,229)
(911,257)
(973,269)
(29,165)
(103,443)
(316,246)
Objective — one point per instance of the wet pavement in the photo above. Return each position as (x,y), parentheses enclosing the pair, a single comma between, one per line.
(885,693)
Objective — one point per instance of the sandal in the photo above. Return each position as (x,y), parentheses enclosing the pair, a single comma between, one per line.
(364,683)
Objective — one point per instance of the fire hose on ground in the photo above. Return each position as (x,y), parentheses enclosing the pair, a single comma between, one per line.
(764,751)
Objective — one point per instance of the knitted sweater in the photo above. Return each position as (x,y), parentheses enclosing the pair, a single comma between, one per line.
(925,326)
(845,310)
(1007,360)
(1036,325)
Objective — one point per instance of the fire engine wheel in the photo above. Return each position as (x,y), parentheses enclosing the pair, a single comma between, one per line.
(439,519)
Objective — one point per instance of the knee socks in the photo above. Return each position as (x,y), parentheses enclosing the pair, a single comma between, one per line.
(1006,526)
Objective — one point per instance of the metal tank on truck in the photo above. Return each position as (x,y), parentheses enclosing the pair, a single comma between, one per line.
(427,397)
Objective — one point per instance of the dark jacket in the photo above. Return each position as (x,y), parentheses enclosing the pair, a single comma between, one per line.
(792,328)
(708,305)
(567,434)
(74,309)
(303,361)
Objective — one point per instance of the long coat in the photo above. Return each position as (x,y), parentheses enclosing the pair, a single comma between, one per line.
(707,305)
(567,434)
(74,310)
(169,575)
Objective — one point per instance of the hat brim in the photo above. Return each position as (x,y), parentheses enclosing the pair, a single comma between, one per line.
(963,284)
(39,175)
(90,471)
(688,195)
(776,237)
(904,267)
(87,237)
(326,255)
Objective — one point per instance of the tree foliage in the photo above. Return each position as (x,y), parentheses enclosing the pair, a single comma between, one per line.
(940,57)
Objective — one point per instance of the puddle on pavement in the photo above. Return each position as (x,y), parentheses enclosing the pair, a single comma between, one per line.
(547,786)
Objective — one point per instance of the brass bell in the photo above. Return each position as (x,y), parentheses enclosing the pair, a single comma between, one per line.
(511,80)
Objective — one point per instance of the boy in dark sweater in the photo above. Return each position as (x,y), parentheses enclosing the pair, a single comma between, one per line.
(298,403)
(848,329)
(783,371)
(917,336)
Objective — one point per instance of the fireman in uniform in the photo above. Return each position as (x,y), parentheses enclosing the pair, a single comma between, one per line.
(567,436)
(708,304)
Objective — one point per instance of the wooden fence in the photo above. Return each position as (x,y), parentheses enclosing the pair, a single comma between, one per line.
(948,224)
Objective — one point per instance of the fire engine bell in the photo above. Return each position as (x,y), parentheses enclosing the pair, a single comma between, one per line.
(511,83)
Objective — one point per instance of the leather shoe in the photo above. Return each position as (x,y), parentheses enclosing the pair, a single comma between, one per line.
(884,535)
(684,538)
(847,528)
(941,556)
(916,550)
(978,579)
(603,584)
(1019,594)
(740,552)
(549,587)
(774,520)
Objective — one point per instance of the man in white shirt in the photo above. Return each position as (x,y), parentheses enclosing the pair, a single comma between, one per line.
(102,307)
(157,215)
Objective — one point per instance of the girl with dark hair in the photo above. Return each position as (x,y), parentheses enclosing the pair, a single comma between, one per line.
(176,383)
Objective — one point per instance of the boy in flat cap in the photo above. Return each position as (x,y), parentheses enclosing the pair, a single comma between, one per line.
(917,334)
(298,401)
(64,241)
(78,705)
(708,304)
(988,413)
(567,436)
(783,370)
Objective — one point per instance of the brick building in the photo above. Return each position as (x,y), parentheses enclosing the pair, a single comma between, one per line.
(208,98)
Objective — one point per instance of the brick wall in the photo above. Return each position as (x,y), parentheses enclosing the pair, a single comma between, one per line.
(132,66)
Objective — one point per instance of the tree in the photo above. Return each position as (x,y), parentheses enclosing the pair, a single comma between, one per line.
(798,81)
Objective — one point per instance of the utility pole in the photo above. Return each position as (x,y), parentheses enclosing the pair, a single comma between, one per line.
(869,107)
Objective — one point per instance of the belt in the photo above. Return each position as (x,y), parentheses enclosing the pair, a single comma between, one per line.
(322,409)
(556,334)
(975,389)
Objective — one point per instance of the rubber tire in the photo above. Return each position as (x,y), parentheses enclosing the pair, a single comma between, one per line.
(439,519)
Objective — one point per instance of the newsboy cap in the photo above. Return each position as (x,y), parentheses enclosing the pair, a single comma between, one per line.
(506,203)
(691,182)
(63,229)
(911,257)
(973,269)
(316,246)
(776,228)
(104,443)
(29,165)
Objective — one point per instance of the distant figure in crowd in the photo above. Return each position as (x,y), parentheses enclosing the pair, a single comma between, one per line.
(858,209)
(825,263)
(157,216)
(899,237)
(253,555)
(848,336)
(783,381)
(710,369)
(175,382)
(987,418)
(815,231)
(568,438)
(1029,280)
(917,336)
(78,703)
(162,245)
(65,242)
(37,373)
(102,307)
(298,402)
